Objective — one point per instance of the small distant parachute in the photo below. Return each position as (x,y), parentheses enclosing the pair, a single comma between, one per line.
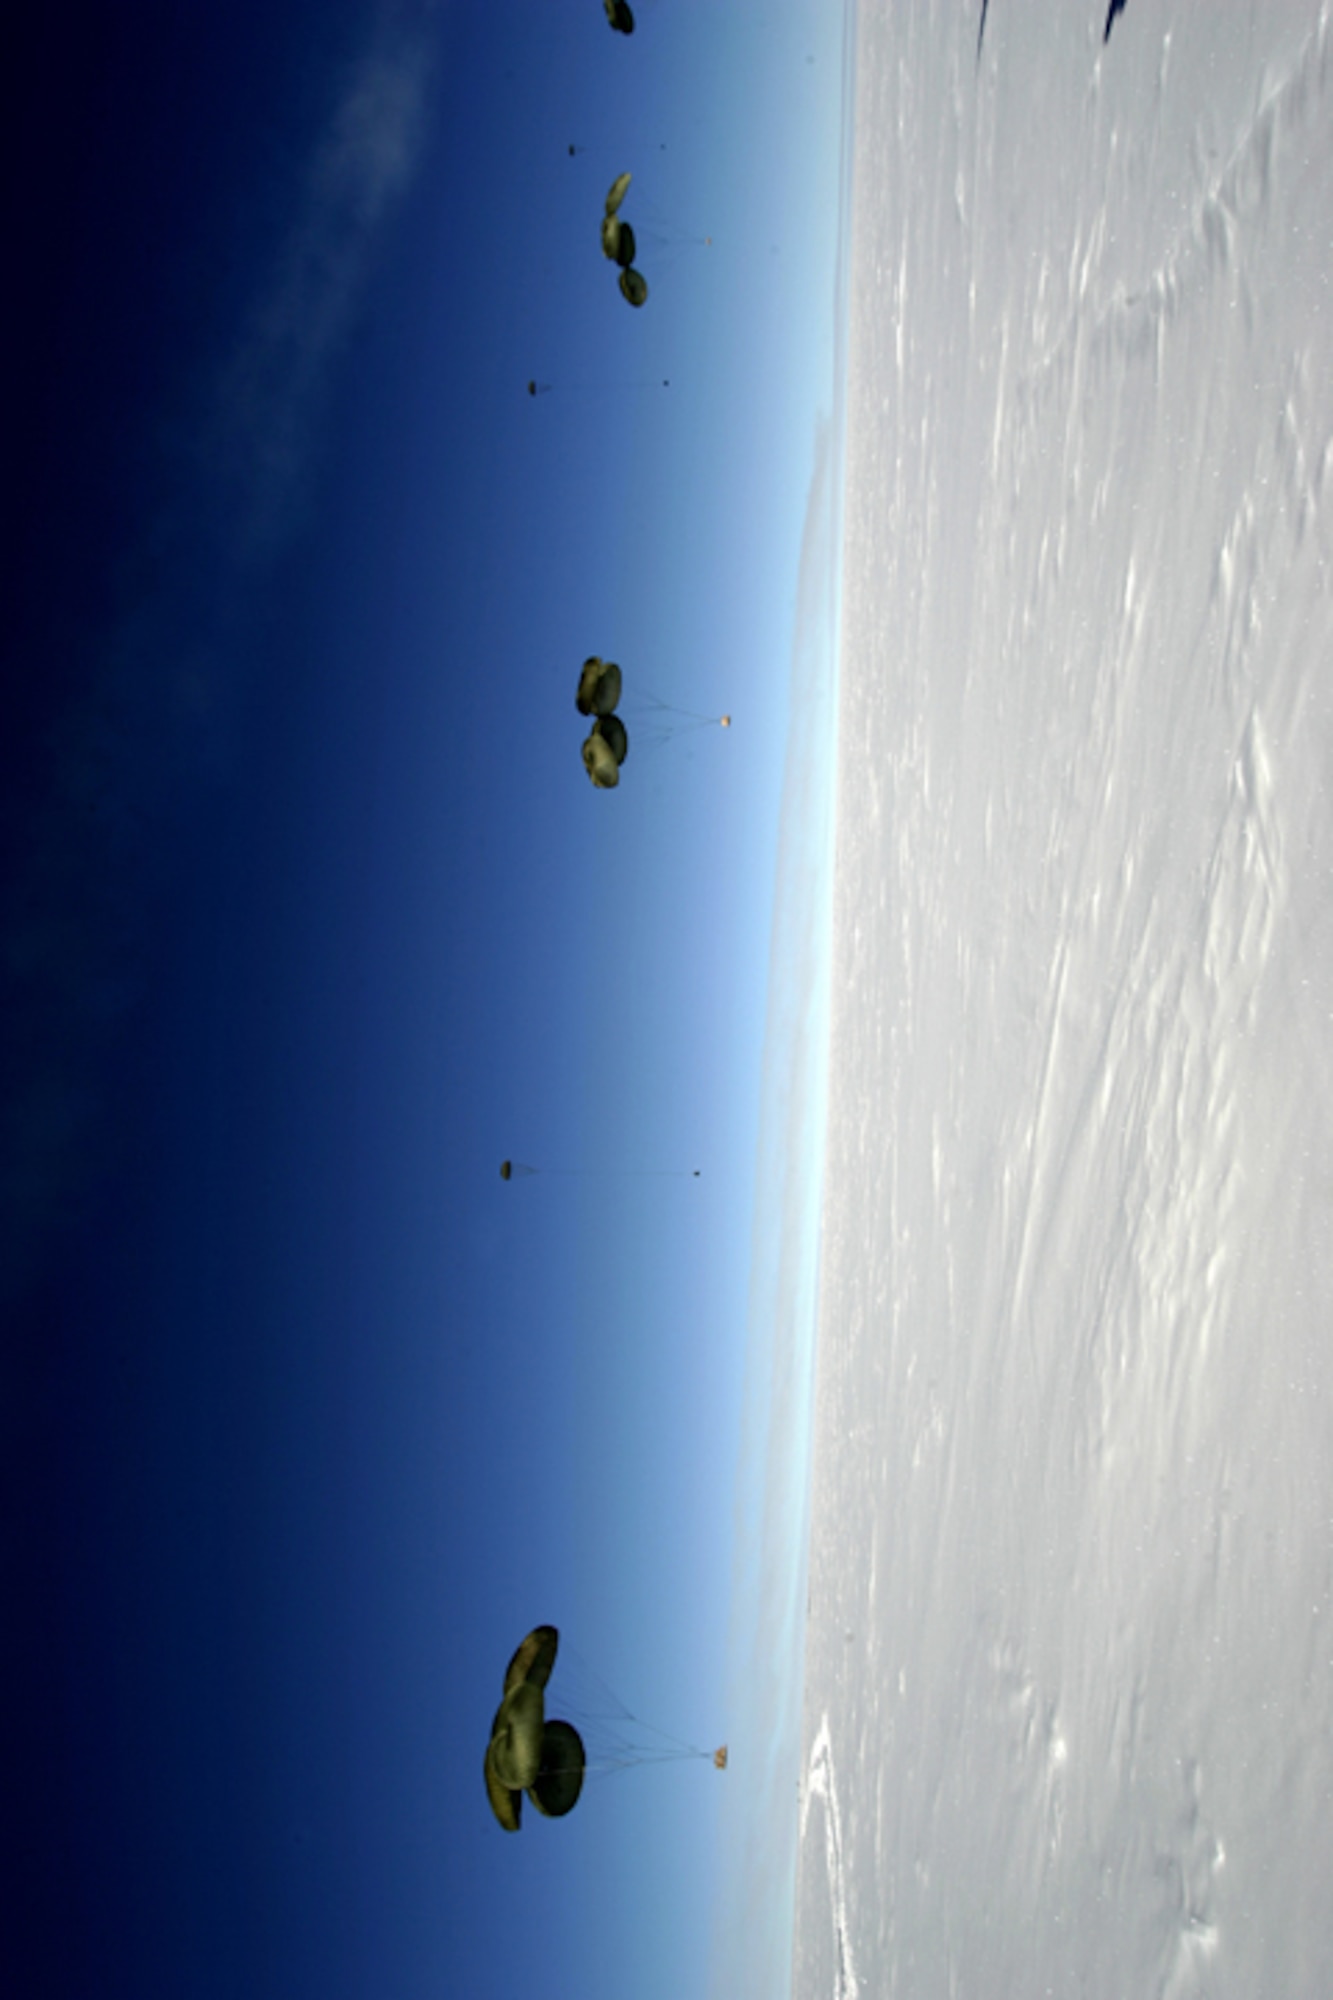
(619,15)
(511,1170)
(603,387)
(548,1758)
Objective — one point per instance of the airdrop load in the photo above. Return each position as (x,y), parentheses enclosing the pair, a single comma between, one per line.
(619,16)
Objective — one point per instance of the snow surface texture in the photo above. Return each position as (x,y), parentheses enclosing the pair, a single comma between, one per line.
(1070,1652)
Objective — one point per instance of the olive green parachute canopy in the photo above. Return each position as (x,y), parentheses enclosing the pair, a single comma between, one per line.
(527,1753)
(617,236)
(600,760)
(618,14)
(600,686)
(618,241)
(516,1737)
(534,1659)
(614,733)
(555,1789)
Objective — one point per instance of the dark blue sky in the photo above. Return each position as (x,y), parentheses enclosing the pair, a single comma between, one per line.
(309,916)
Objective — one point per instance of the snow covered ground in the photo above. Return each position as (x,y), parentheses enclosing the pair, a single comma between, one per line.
(1070,1652)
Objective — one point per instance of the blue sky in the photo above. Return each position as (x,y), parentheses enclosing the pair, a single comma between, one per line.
(310,917)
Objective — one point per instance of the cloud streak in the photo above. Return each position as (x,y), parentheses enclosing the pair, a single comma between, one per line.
(141,732)
(273,390)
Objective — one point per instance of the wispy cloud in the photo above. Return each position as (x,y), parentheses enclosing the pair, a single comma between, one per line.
(88,850)
(273,389)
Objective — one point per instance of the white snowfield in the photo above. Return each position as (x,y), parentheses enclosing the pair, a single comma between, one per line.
(1070,1655)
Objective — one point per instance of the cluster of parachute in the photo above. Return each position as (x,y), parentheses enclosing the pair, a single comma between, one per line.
(543,1757)
(530,1753)
(618,245)
(527,1753)
(606,747)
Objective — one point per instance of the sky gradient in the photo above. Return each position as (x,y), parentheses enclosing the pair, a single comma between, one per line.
(310,917)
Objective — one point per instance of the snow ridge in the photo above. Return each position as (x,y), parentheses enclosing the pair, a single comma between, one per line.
(821,1783)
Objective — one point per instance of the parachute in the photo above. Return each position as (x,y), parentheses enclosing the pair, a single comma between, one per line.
(619,16)
(513,1170)
(604,751)
(600,686)
(603,387)
(601,690)
(527,1753)
(617,241)
(549,1758)
(618,244)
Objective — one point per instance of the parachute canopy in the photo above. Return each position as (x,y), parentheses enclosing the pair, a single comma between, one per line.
(605,750)
(618,244)
(618,241)
(617,236)
(619,15)
(601,684)
(527,1753)
(613,733)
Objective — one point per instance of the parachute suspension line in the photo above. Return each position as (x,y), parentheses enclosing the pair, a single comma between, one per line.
(655,701)
(615,1738)
(658,721)
(667,236)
